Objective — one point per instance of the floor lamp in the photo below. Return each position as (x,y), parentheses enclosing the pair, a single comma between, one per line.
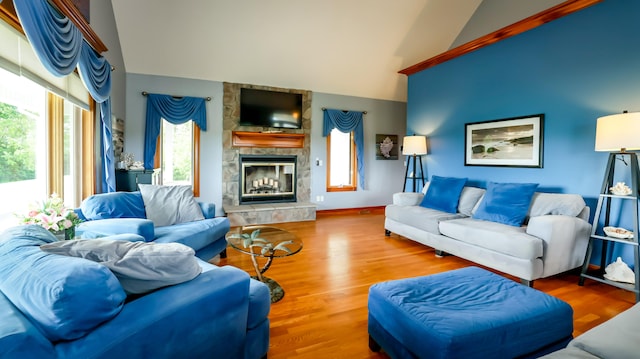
(414,146)
(616,134)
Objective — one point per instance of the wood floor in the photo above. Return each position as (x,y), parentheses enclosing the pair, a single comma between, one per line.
(324,311)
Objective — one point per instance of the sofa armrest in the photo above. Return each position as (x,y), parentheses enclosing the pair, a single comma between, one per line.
(194,319)
(565,241)
(19,338)
(111,226)
(407,198)
(208,209)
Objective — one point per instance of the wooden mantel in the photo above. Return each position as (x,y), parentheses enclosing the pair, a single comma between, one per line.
(267,139)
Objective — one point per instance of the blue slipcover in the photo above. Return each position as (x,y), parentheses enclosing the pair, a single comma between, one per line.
(221,313)
(124,212)
(466,313)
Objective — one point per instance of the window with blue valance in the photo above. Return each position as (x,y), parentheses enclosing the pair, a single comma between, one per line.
(174,110)
(59,45)
(347,121)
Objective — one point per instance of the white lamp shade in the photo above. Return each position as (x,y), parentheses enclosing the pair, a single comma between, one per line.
(414,145)
(615,133)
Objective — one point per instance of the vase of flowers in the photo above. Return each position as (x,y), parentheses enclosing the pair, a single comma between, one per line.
(53,216)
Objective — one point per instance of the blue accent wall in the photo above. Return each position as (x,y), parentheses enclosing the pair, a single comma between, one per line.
(573,70)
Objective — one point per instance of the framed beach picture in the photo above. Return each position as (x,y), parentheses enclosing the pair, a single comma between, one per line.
(512,142)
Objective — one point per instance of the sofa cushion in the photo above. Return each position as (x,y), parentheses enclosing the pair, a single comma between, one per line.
(469,200)
(443,193)
(494,236)
(556,203)
(196,235)
(426,219)
(506,203)
(168,205)
(113,205)
(616,338)
(65,298)
(141,267)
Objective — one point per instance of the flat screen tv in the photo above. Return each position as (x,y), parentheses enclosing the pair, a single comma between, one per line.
(270,108)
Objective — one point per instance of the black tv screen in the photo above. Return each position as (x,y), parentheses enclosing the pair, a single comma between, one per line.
(270,108)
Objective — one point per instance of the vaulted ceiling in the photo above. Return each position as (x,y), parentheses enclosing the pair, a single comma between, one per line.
(345,47)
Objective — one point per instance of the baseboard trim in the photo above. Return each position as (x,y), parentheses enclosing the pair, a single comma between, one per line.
(359,210)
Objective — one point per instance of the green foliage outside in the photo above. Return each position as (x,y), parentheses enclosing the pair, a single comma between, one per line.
(17,145)
(181,145)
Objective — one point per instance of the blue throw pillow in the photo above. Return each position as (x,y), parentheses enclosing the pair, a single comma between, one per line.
(113,205)
(443,193)
(506,203)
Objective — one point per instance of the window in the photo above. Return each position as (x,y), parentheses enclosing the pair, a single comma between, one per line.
(341,163)
(178,153)
(40,147)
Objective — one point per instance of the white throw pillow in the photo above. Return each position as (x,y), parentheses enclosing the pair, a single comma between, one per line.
(168,205)
(139,266)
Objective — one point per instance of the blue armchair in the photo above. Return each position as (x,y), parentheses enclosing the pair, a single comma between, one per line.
(113,213)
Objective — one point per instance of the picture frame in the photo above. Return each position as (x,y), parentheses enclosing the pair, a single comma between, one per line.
(387,147)
(508,142)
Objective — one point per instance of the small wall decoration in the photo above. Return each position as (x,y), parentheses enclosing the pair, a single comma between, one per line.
(117,135)
(512,142)
(387,147)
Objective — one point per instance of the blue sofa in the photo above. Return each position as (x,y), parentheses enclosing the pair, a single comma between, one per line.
(124,212)
(55,306)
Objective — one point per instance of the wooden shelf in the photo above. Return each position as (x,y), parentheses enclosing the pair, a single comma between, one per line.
(267,139)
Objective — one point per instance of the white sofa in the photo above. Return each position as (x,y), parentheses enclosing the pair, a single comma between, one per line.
(618,338)
(552,240)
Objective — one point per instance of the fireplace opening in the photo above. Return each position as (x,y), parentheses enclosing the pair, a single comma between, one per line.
(267,179)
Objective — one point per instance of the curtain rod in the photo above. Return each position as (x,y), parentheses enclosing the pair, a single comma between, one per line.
(324,109)
(145,93)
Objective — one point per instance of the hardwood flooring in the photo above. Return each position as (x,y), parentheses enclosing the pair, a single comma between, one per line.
(324,311)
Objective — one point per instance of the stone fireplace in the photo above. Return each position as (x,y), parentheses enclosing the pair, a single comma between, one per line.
(252,142)
(267,179)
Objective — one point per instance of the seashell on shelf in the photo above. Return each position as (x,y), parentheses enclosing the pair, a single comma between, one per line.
(620,189)
(617,232)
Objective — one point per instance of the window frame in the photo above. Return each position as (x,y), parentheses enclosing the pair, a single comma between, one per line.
(353,170)
(195,156)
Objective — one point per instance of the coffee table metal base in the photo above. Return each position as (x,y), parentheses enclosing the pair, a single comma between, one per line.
(277,293)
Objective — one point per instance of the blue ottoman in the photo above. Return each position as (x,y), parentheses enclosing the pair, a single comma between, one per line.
(465,313)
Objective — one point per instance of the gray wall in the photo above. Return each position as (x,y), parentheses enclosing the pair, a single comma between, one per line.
(492,15)
(383,178)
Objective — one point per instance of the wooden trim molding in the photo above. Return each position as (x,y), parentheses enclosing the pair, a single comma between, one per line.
(543,17)
(68,9)
(267,139)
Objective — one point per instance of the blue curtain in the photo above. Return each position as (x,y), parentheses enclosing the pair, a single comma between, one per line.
(347,121)
(59,45)
(176,111)
(55,39)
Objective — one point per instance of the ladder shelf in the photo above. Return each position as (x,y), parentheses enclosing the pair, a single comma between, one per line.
(597,232)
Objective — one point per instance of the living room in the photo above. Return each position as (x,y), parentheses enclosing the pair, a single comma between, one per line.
(573,70)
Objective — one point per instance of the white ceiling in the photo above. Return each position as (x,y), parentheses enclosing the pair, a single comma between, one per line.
(345,47)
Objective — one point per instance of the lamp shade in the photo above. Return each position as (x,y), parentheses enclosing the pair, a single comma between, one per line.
(414,145)
(618,132)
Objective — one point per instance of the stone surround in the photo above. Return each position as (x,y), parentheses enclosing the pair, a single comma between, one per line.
(302,210)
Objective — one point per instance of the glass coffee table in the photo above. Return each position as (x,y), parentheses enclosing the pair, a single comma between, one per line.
(264,242)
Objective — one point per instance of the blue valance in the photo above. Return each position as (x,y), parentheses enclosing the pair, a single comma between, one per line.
(176,111)
(95,72)
(59,45)
(55,39)
(347,121)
